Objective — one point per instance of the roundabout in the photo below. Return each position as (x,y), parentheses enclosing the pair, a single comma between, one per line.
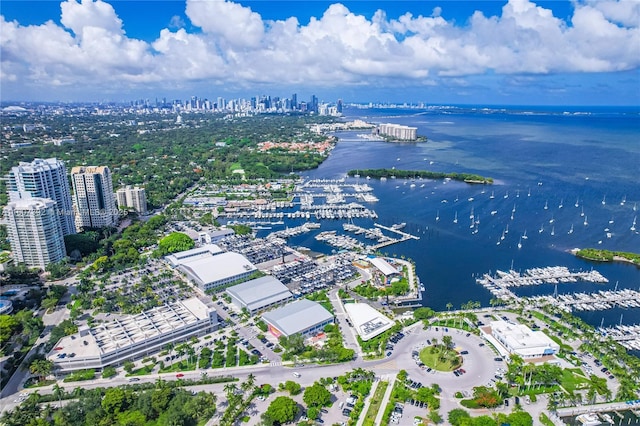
(440,358)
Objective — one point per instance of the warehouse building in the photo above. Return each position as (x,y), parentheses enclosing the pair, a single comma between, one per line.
(133,336)
(383,266)
(259,294)
(209,267)
(303,316)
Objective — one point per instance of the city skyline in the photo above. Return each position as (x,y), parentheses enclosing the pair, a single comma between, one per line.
(516,52)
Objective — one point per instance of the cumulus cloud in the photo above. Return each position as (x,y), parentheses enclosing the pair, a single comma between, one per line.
(234,45)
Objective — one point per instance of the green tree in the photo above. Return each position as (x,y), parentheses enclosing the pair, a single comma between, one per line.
(282,409)
(293,387)
(8,326)
(316,396)
(423,313)
(114,401)
(41,368)
(108,372)
(520,418)
(174,242)
(458,417)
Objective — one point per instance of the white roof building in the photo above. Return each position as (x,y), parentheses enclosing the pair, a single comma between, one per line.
(383,266)
(367,321)
(132,336)
(259,294)
(209,267)
(303,316)
(521,340)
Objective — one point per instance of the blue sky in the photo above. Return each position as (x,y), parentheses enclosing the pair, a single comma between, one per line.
(584,52)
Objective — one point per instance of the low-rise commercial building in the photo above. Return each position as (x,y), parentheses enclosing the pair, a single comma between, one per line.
(301,317)
(259,294)
(383,266)
(521,340)
(133,336)
(209,267)
(367,321)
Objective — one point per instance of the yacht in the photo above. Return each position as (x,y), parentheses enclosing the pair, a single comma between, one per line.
(589,419)
(520,243)
(570,230)
(611,220)
(506,195)
(455,218)
(470,198)
(604,200)
(494,212)
(383,179)
(514,209)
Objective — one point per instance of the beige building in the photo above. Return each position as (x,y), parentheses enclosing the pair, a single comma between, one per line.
(399,132)
(93,199)
(34,232)
(132,197)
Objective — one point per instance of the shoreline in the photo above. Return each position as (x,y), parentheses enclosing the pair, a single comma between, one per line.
(614,257)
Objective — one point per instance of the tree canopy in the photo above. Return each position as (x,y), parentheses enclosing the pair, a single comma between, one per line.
(173,243)
(316,396)
(282,409)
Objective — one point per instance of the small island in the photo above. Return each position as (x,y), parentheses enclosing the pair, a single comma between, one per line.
(413,174)
(599,255)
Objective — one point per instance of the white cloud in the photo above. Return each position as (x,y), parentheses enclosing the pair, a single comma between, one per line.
(237,47)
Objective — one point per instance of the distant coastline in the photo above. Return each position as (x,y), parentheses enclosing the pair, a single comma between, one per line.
(412,174)
(598,255)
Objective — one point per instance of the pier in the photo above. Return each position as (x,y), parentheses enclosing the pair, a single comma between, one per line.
(598,301)
(627,335)
(537,276)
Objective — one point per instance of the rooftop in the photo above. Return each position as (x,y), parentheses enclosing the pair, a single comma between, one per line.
(124,332)
(260,292)
(521,338)
(383,266)
(297,316)
(205,251)
(367,321)
(210,269)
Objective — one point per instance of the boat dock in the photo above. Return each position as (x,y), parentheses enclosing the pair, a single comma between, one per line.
(598,301)
(292,232)
(537,276)
(627,335)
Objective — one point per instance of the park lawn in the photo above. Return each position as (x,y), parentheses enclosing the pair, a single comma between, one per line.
(432,359)
(147,369)
(179,366)
(572,379)
(375,404)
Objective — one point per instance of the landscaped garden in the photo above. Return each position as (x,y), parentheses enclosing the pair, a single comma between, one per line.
(440,357)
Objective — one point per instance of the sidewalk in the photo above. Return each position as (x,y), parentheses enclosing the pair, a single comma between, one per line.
(385,400)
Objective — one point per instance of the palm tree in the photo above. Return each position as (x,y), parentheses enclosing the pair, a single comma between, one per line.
(58,392)
(41,368)
(251,379)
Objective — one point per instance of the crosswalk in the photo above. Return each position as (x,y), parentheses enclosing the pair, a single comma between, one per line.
(275,363)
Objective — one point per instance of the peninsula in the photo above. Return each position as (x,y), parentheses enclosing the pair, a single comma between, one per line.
(406,174)
(599,255)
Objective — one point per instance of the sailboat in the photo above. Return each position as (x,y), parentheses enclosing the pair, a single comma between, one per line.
(553,230)
(604,200)
(514,209)
(520,243)
(541,230)
(502,236)
(438,216)
(624,200)
(511,215)
(577,204)
(492,196)
(582,213)
(506,195)
(524,236)
(570,230)
(635,207)
(506,230)
(585,221)
(561,203)
(518,193)
(471,215)
(546,205)
(529,193)
(552,219)
(633,226)
(455,218)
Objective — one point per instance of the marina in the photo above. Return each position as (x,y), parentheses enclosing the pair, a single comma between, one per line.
(627,335)
(597,301)
(537,276)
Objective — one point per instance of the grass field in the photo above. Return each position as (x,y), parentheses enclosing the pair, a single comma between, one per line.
(441,360)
